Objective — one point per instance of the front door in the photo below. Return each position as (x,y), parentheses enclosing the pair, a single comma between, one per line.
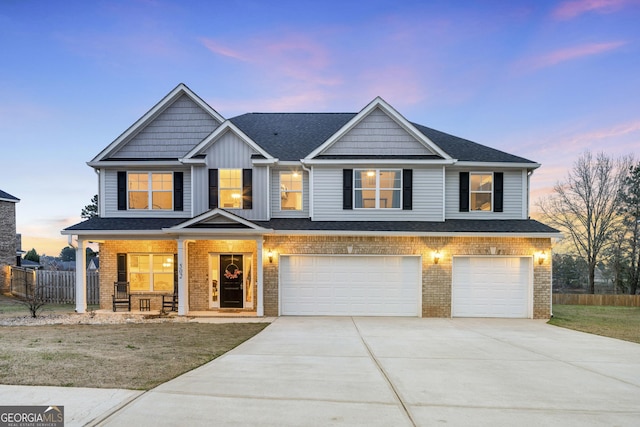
(231,281)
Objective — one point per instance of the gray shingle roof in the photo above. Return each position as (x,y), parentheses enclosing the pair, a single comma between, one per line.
(301,224)
(292,136)
(6,196)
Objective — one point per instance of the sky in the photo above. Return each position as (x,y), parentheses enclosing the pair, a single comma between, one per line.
(545,80)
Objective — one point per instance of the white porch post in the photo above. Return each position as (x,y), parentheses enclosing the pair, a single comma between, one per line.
(81,278)
(183,274)
(259,280)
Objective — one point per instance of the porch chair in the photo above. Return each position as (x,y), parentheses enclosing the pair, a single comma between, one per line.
(121,296)
(170,302)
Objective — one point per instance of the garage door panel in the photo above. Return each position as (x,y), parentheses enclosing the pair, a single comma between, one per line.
(350,285)
(491,287)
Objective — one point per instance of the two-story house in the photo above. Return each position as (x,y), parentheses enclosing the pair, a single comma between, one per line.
(314,214)
(8,245)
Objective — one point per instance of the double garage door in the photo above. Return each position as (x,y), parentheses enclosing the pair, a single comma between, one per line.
(353,285)
(350,285)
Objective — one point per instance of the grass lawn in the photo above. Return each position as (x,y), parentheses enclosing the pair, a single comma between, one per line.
(615,322)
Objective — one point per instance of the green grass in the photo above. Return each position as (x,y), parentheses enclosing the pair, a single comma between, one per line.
(615,322)
(12,307)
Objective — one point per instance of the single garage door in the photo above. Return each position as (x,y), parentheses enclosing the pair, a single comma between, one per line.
(491,287)
(350,285)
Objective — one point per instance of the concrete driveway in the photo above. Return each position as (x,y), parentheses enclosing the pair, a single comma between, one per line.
(403,372)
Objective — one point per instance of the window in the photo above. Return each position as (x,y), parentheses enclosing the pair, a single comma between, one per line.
(150,190)
(290,191)
(480,191)
(151,272)
(377,189)
(230,188)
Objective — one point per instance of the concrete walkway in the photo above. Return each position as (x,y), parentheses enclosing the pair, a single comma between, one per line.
(392,372)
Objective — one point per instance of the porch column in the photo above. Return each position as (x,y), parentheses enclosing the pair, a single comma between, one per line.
(81,278)
(183,274)
(259,280)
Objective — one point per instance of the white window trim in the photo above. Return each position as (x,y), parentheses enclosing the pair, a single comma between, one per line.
(220,188)
(150,272)
(301,191)
(377,189)
(482,192)
(150,190)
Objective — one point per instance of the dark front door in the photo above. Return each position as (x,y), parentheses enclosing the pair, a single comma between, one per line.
(231,281)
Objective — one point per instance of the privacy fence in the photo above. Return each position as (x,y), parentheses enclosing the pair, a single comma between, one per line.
(595,299)
(56,287)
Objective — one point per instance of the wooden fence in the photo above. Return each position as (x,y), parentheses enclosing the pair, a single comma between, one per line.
(58,287)
(597,299)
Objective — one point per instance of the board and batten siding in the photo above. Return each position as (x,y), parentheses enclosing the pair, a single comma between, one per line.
(231,152)
(110,196)
(175,131)
(377,133)
(512,196)
(276,212)
(427,198)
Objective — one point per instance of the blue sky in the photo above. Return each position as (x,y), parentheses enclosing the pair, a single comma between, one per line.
(545,80)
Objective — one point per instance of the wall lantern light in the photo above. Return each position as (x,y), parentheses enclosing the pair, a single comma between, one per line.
(436,257)
(270,256)
(542,256)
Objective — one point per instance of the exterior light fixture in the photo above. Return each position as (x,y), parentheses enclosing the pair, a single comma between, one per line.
(270,256)
(542,256)
(436,257)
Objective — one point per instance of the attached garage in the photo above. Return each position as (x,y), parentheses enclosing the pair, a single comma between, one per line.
(350,285)
(491,287)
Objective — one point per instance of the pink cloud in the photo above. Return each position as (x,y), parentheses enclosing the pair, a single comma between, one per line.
(571,9)
(218,49)
(569,54)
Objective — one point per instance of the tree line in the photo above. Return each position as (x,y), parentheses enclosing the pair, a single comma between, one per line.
(597,208)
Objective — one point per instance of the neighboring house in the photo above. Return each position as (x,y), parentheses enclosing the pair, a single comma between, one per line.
(94,264)
(8,243)
(314,214)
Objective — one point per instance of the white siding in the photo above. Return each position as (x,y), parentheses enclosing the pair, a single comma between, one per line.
(275,194)
(231,152)
(512,201)
(110,196)
(377,134)
(427,198)
(172,134)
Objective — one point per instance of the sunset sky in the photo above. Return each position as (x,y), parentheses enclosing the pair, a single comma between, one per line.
(543,80)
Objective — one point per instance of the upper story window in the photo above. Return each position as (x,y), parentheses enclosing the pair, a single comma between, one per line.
(230,187)
(290,191)
(151,272)
(480,191)
(150,190)
(377,188)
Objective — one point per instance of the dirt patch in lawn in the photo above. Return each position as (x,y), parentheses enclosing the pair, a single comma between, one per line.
(134,356)
(614,322)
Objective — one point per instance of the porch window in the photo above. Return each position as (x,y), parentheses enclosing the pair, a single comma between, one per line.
(377,188)
(480,191)
(151,272)
(230,185)
(290,191)
(150,190)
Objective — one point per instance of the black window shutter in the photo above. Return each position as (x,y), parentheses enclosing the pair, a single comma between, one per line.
(122,267)
(213,188)
(407,189)
(247,192)
(464,191)
(178,203)
(347,189)
(498,191)
(122,191)
(175,273)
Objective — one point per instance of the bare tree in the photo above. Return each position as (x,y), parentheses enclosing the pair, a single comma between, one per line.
(585,205)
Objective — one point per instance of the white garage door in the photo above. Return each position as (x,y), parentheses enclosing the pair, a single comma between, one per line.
(350,285)
(491,287)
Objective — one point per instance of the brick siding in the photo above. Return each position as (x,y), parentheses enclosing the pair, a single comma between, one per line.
(7,243)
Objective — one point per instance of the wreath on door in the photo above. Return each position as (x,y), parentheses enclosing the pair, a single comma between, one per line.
(232,271)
